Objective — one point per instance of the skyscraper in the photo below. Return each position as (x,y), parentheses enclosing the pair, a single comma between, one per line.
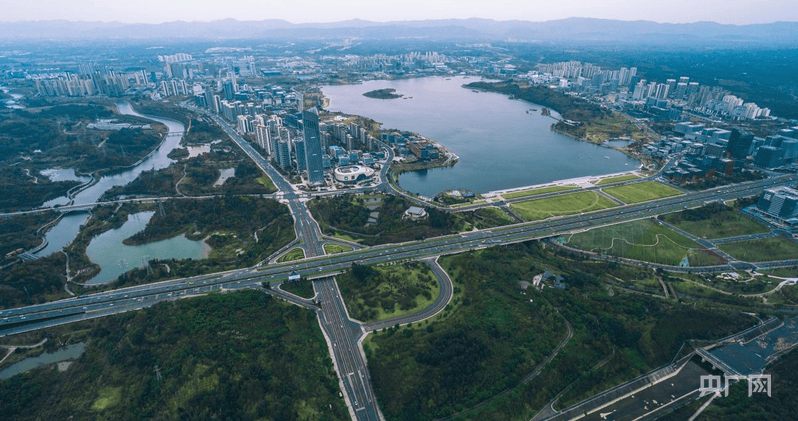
(740,143)
(262,136)
(299,148)
(229,90)
(313,151)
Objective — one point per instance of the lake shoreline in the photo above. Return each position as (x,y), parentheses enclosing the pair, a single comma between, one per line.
(500,144)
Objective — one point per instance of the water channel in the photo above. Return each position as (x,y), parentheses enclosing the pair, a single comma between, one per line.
(67,229)
(502,143)
(69,352)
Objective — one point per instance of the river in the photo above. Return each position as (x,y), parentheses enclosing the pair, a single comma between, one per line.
(67,229)
(502,143)
(70,352)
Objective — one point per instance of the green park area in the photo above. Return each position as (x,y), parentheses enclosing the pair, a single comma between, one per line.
(302,288)
(534,192)
(645,241)
(381,292)
(568,204)
(491,216)
(762,250)
(477,358)
(201,174)
(332,248)
(293,254)
(618,179)
(641,192)
(241,231)
(207,358)
(611,126)
(379,219)
(60,135)
(714,220)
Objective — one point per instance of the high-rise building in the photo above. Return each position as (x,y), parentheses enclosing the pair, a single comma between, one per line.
(639,91)
(282,154)
(623,76)
(769,157)
(217,104)
(299,148)
(243,124)
(262,136)
(209,101)
(662,90)
(313,151)
(740,143)
(781,202)
(229,91)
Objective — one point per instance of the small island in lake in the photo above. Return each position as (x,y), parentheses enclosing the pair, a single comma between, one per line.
(387,93)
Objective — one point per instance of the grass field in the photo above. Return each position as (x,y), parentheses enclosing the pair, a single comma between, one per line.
(462,205)
(644,241)
(382,292)
(766,249)
(302,288)
(493,216)
(294,254)
(602,129)
(617,179)
(641,192)
(536,209)
(724,224)
(331,248)
(533,192)
(782,272)
(345,237)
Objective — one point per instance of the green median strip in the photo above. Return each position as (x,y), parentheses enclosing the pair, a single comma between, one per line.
(617,179)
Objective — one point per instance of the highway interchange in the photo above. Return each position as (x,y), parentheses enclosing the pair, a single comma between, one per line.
(343,334)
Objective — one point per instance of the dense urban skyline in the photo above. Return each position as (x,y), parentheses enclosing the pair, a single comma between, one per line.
(306,11)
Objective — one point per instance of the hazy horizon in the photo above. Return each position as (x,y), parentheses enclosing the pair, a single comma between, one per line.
(735,12)
(386,21)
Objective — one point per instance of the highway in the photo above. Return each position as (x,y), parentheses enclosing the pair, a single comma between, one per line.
(410,250)
(444,297)
(341,332)
(350,362)
(307,230)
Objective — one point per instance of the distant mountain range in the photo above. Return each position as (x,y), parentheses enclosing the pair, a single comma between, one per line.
(572,29)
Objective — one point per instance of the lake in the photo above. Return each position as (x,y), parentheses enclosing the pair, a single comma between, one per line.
(502,143)
(116,258)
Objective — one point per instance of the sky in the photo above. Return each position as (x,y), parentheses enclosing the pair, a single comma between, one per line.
(303,11)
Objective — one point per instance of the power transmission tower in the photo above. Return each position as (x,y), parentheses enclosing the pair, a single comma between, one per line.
(158,373)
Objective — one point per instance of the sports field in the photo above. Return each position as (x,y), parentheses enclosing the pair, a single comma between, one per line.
(645,241)
(641,192)
(533,192)
(568,204)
